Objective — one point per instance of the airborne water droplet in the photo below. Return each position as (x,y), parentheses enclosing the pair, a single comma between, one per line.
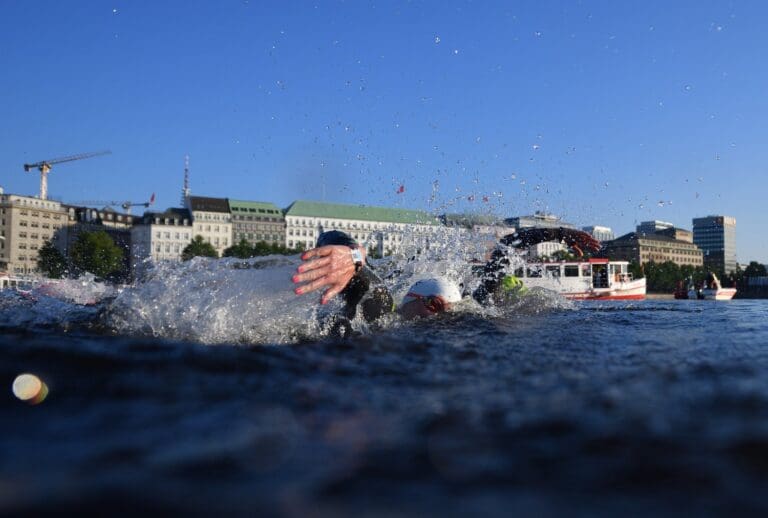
(437,40)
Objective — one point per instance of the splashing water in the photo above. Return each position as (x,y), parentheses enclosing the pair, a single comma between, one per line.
(251,301)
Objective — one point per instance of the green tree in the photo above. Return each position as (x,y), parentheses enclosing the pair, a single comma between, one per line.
(51,262)
(262,248)
(636,269)
(755,269)
(242,250)
(97,253)
(661,277)
(198,248)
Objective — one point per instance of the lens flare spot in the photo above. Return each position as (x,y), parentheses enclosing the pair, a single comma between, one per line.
(30,388)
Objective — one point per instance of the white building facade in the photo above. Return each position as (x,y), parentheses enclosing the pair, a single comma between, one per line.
(26,223)
(161,236)
(379,229)
(211,219)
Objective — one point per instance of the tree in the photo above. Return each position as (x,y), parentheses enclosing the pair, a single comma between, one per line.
(97,253)
(662,277)
(755,269)
(51,262)
(637,270)
(242,250)
(198,248)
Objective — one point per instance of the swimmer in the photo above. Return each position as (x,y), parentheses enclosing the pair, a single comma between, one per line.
(338,265)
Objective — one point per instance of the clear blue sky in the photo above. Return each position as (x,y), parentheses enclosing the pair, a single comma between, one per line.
(602,112)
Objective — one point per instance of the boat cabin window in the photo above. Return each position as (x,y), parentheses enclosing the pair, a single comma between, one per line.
(586,270)
(533,271)
(571,270)
(519,271)
(553,270)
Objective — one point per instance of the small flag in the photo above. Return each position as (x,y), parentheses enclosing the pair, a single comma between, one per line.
(401,189)
(152,199)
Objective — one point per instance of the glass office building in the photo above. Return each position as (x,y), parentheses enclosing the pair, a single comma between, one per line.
(716,236)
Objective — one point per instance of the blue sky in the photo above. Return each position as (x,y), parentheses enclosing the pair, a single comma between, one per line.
(603,112)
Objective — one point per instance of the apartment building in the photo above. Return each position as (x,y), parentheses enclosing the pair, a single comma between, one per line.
(161,236)
(659,248)
(212,220)
(257,221)
(26,223)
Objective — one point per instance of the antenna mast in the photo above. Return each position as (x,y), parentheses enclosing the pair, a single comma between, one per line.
(185,189)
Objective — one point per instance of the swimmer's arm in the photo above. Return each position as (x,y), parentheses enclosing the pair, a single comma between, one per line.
(576,239)
(331,267)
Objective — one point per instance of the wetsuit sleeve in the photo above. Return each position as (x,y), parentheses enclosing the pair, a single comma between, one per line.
(491,276)
(365,282)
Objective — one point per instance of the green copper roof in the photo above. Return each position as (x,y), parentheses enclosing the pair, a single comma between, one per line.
(359,212)
(258,207)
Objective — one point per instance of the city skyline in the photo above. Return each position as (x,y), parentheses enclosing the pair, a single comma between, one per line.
(602,114)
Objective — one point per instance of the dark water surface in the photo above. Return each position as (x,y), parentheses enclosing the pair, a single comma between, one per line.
(644,408)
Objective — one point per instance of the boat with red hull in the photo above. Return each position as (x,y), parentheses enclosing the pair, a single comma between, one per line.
(591,279)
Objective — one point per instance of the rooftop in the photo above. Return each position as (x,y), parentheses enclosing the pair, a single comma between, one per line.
(359,212)
(205,204)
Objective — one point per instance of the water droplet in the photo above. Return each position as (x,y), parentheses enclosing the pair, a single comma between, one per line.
(455,51)
(537,34)
(651,28)
(477,140)
(114,11)
(536,147)
(437,40)
(687,88)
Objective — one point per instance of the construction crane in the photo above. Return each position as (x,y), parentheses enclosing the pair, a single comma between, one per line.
(45,167)
(125,205)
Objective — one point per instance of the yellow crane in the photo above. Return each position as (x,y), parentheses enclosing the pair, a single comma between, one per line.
(45,167)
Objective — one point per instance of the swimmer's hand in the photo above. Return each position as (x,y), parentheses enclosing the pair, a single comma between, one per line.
(329,266)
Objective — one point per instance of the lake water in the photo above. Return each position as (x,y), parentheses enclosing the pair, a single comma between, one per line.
(547,408)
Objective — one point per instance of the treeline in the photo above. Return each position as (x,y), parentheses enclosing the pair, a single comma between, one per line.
(97,253)
(663,277)
(244,250)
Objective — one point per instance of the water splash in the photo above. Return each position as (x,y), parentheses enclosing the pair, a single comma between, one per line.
(251,301)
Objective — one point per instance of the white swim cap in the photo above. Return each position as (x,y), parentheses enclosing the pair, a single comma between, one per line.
(448,290)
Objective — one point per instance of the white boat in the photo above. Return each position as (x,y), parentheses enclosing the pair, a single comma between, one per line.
(712,294)
(592,279)
(712,290)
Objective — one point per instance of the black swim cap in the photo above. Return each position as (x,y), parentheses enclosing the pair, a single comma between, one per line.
(335,237)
